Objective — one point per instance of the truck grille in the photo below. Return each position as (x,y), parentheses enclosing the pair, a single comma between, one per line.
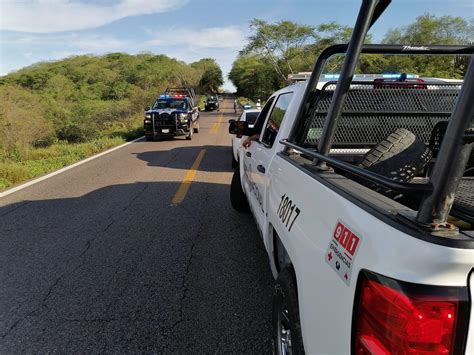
(165,119)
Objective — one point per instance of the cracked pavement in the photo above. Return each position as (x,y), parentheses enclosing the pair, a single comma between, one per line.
(97,260)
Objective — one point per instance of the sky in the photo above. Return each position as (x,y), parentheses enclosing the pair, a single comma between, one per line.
(43,30)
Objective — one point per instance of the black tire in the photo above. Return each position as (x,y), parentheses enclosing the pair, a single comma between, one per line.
(286,315)
(238,199)
(196,129)
(149,138)
(235,163)
(400,156)
(190,134)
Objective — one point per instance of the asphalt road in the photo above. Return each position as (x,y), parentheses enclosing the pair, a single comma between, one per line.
(99,259)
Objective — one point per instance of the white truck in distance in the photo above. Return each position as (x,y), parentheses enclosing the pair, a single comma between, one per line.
(367,219)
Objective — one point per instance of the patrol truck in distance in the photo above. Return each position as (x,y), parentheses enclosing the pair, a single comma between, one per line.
(363,193)
(174,113)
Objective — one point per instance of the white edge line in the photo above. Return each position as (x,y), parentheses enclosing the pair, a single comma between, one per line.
(66,168)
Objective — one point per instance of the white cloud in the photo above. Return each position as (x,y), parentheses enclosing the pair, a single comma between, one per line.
(45,16)
(212,37)
(89,43)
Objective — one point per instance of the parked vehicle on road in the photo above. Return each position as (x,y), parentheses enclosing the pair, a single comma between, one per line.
(363,193)
(211,104)
(171,115)
(249,116)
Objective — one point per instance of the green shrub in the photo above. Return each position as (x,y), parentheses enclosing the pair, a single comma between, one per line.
(4,184)
(38,162)
(74,133)
(13,173)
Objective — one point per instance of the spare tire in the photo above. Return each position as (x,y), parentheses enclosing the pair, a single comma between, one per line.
(400,156)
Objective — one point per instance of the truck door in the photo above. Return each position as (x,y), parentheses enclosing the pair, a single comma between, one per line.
(248,167)
(261,155)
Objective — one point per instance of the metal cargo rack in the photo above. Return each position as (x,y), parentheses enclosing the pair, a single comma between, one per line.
(370,114)
(189,92)
(325,116)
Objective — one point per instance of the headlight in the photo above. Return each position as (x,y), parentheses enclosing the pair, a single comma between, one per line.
(183,115)
(147,121)
(148,115)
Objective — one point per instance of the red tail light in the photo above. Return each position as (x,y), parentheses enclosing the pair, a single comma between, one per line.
(394,317)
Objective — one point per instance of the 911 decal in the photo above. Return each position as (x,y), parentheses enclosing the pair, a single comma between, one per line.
(342,251)
(287,212)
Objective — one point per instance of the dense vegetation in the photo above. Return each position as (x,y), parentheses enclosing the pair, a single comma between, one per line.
(54,113)
(276,50)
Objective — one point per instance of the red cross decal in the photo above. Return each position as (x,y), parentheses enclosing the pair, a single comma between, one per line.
(330,256)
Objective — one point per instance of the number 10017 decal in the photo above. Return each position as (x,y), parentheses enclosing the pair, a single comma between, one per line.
(287,212)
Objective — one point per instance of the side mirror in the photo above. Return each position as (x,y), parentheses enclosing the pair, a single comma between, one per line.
(147,108)
(233,127)
(240,128)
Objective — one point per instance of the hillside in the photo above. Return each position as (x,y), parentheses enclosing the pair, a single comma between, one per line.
(94,101)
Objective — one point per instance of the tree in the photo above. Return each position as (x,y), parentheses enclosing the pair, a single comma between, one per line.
(253,77)
(279,44)
(429,29)
(211,75)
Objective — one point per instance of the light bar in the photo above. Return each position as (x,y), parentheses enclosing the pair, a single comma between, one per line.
(371,76)
(397,75)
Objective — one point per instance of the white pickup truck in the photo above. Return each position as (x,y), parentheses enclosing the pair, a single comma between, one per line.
(367,219)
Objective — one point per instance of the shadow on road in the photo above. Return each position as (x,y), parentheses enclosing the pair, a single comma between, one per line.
(120,270)
(217,158)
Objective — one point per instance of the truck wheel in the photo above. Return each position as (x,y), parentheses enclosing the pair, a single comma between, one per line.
(196,129)
(238,199)
(400,156)
(190,134)
(149,138)
(287,338)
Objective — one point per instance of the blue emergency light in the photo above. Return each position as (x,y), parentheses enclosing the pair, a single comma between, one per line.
(397,75)
(331,76)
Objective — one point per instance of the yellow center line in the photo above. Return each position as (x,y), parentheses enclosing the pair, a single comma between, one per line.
(217,125)
(188,179)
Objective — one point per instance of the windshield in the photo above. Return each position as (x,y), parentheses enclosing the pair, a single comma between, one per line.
(169,103)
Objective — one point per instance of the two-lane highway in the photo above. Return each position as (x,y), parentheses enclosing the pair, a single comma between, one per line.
(136,251)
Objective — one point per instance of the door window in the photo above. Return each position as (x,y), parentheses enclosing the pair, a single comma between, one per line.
(273,124)
(263,114)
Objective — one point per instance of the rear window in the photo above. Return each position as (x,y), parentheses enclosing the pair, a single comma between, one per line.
(251,117)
